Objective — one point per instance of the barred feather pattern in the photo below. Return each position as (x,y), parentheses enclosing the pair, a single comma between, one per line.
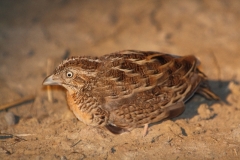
(127,89)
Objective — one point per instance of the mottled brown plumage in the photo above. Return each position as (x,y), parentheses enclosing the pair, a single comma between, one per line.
(130,88)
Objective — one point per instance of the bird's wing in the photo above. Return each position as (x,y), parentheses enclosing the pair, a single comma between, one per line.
(129,72)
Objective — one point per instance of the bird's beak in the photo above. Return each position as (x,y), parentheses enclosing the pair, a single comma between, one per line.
(51,80)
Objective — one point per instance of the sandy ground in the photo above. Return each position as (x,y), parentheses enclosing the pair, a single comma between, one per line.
(32,33)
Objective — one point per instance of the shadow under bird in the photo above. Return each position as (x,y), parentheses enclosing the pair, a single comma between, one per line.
(129,89)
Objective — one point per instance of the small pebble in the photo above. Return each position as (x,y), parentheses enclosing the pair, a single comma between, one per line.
(63,158)
(10,118)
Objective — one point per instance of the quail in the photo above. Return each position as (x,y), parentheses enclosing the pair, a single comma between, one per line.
(129,89)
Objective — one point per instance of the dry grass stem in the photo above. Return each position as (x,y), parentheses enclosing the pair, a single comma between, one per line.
(16,102)
(49,91)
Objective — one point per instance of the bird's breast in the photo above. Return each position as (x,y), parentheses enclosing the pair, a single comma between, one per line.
(80,110)
(87,109)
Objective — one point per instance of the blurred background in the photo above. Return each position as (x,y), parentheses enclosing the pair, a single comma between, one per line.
(33,33)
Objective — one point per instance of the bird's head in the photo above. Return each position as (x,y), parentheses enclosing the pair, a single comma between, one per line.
(73,74)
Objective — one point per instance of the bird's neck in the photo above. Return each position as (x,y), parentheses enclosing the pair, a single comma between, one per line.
(83,100)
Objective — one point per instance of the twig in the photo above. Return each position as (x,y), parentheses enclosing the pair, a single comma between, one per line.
(76,143)
(6,136)
(23,135)
(235,151)
(174,133)
(218,69)
(16,102)
(49,91)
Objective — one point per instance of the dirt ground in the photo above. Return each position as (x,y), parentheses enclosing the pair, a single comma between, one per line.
(35,33)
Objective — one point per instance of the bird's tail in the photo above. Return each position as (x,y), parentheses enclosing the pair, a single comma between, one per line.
(206,92)
(204,88)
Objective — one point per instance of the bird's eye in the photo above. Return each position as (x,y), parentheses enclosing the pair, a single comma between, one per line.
(69,74)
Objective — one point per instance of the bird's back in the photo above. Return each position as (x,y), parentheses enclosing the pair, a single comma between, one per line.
(137,87)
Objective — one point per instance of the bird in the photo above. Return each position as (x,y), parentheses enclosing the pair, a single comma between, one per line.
(129,89)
